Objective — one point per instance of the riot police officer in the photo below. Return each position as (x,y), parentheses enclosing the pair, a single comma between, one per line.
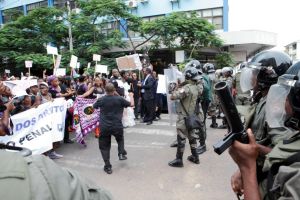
(282,163)
(260,74)
(188,95)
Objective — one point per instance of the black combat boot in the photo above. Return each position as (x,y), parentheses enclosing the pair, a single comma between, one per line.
(174,144)
(180,149)
(201,149)
(214,123)
(224,124)
(178,161)
(194,158)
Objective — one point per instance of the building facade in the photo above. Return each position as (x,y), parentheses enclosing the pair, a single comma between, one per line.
(215,11)
(293,50)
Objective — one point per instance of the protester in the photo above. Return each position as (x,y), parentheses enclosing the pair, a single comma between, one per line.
(148,98)
(136,94)
(111,107)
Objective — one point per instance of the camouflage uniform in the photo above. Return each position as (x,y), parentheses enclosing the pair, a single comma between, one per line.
(188,94)
(39,178)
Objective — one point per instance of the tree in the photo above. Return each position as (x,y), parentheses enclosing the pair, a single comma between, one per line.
(27,37)
(182,30)
(224,59)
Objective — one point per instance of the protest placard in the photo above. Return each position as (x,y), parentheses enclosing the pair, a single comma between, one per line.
(78,65)
(89,65)
(96,57)
(73,62)
(7,71)
(101,69)
(57,63)
(52,50)
(131,62)
(161,86)
(60,72)
(28,63)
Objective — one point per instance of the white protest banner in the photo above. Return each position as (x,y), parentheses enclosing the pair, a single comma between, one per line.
(52,50)
(96,57)
(58,119)
(57,63)
(37,128)
(161,86)
(7,71)
(60,72)
(131,62)
(28,63)
(73,62)
(101,69)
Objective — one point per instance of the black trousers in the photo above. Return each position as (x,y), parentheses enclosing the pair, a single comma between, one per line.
(68,122)
(136,107)
(149,106)
(105,143)
(205,105)
(159,104)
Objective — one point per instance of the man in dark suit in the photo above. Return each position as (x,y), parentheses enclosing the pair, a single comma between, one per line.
(148,98)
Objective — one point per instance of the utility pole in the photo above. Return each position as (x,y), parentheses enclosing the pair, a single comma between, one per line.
(70,27)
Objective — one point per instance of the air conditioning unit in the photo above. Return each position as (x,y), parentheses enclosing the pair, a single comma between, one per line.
(133,4)
(174,1)
(144,1)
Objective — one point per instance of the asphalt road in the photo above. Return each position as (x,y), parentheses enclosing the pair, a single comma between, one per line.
(146,174)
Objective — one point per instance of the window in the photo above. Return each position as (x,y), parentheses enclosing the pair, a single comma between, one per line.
(207,13)
(108,27)
(218,22)
(33,6)
(63,3)
(217,12)
(12,14)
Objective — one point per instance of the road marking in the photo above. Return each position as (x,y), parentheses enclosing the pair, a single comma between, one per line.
(151,131)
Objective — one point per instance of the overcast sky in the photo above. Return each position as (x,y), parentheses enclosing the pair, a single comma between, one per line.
(278,16)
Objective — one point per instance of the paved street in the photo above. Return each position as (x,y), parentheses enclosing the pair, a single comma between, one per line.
(146,174)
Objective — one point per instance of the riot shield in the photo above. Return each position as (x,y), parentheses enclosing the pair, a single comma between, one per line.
(171,77)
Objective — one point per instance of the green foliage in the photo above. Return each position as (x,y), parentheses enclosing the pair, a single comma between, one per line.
(224,59)
(180,30)
(27,37)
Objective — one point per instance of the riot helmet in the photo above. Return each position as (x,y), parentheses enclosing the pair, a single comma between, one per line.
(264,69)
(208,68)
(192,74)
(283,101)
(194,64)
(227,71)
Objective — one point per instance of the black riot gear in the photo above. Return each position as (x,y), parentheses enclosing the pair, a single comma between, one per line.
(272,64)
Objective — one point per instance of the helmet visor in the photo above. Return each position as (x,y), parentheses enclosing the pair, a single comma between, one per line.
(248,77)
(276,103)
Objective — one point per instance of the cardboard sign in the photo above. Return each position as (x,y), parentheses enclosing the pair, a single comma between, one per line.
(60,72)
(7,71)
(58,60)
(101,69)
(96,57)
(73,62)
(52,50)
(131,62)
(179,56)
(28,64)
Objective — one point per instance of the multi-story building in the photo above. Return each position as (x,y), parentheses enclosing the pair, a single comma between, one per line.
(242,44)
(293,50)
